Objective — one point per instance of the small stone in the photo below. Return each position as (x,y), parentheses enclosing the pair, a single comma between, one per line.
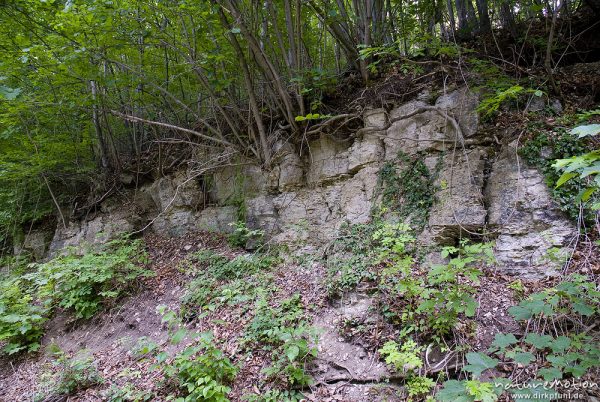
(187,247)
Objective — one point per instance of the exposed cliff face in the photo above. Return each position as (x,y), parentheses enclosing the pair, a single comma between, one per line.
(308,195)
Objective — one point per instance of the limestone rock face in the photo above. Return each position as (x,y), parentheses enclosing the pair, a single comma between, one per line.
(367,150)
(241,178)
(217,219)
(81,236)
(328,160)
(460,204)
(36,243)
(309,193)
(532,233)
(178,191)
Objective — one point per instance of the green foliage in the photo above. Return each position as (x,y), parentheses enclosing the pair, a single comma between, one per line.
(406,358)
(408,191)
(419,386)
(275,395)
(478,363)
(490,104)
(432,304)
(242,235)
(468,391)
(221,281)
(84,284)
(70,375)
(585,167)
(21,316)
(201,372)
(541,151)
(127,393)
(87,283)
(283,330)
(570,352)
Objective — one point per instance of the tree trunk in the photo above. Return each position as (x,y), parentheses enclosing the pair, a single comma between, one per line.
(484,16)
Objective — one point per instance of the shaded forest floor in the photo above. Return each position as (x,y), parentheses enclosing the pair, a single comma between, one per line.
(125,342)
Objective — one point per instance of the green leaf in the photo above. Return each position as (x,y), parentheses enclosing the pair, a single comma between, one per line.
(504,340)
(583,309)
(549,374)
(479,362)
(587,130)
(539,341)
(520,313)
(565,177)
(292,352)
(178,336)
(524,358)
(560,344)
(453,391)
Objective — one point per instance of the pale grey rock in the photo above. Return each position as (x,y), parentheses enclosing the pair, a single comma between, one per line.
(462,104)
(291,172)
(174,222)
(177,191)
(375,118)
(217,219)
(460,204)
(35,243)
(424,132)
(328,160)
(81,236)
(366,150)
(242,179)
(261,214)
(534,236)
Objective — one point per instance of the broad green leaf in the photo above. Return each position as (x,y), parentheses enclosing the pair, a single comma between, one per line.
(504,340)
(549,374)
(479,362)
(524,358)
(539,341)
(565,177)
(586,131)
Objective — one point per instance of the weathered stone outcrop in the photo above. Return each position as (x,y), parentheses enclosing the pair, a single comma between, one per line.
(310,192)
(533,236)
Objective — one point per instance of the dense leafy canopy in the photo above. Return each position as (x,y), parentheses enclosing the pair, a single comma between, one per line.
(88,85)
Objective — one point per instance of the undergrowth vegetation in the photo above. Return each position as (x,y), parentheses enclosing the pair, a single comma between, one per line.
(79,284)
